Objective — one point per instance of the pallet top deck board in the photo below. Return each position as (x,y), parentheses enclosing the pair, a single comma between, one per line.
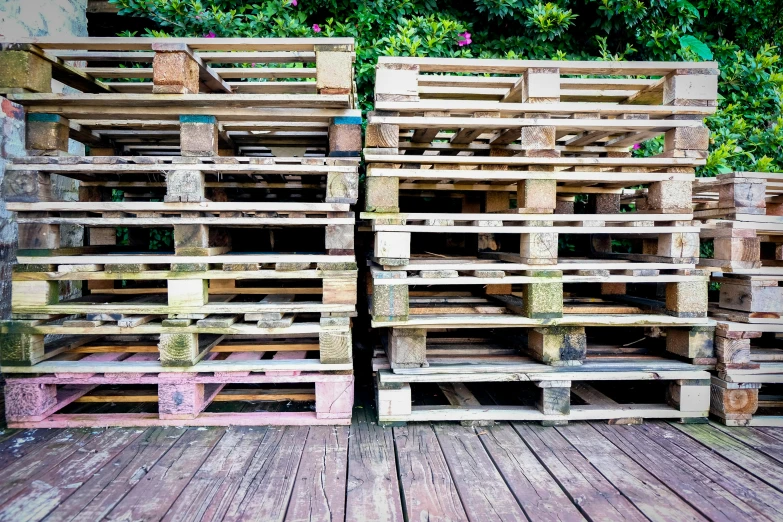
(224,72)
(517,175)
(121,259)
(227,308)
(155,366)
(502,66)
(561,124)
(156,275)
(198,44)
(111,102)
(653,162)
(515,321)
(512,216)
(206,206)
(506,109)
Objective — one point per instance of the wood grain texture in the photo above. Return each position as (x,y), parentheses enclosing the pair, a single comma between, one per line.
(319,489)
(427,487)
(265,490)
(533,487)
(211,491)
(647,493)
(755,462)
(597,498)
(150,498)
(373,488)
(711,499)
(481,488)
(98,495)
(761,496)
(44,494)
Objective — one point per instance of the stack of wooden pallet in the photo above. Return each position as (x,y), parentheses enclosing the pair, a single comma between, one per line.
(464,158)
(248,303)
(743,217)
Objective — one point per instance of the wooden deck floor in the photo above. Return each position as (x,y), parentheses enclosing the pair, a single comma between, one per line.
(655,471)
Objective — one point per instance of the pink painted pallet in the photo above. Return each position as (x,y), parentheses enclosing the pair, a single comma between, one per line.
(180,399)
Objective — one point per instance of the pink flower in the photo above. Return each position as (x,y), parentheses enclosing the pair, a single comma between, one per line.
(316,28)
(210,34)
(466,41)
(636,146)
(293,3)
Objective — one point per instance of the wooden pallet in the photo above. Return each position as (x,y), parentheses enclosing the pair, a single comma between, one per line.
(177,343)
(424,95)
(686,398)
(743,217)
(43,401)
(534,294)
(191,78)
(144,178)
(669,237)
(557,342)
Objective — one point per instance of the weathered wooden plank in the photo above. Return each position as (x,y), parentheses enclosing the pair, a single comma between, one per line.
(373,489)
(428,489)
(764,442)
(18,443)
(649,495)
(481,488)
(534,488)
(151,498)
(211,490)
(764,467)
(596,497)
(319,489)
(41,460)
(762,497)
(42,495)
(710,499)
(98,495)
(266,487)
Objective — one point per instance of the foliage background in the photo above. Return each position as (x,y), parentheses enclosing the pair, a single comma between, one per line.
(743,37)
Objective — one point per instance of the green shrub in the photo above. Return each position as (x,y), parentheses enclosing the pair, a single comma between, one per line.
(743,37)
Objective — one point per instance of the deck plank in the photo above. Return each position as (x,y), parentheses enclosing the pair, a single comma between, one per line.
(373,489)
(40,460)
(764,467)
(152,497)
(42,495)
(535,489)
(98,496)
(20,442)
(647,493)
(428,489)
(266,487)
(756,439)
(709,498)
(762,497)
(595,496)
(209,492)
(319,489)
(484,493)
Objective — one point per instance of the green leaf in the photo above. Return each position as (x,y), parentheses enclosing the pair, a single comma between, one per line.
(697,46)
